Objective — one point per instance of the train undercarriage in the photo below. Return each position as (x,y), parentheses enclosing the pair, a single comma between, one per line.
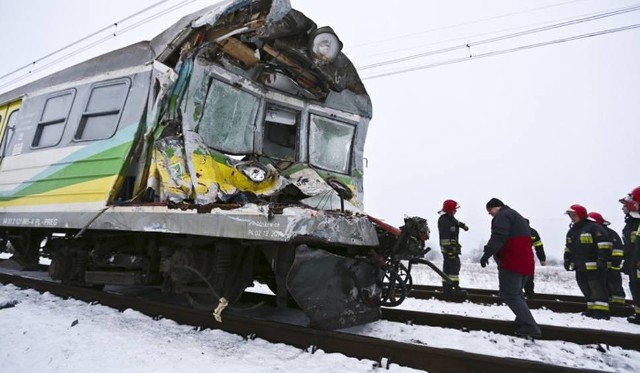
(335,287)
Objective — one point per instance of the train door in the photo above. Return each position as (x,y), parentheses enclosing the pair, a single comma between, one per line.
(8,116)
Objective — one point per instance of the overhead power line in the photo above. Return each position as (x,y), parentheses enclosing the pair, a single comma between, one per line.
(463,24)
(504,37)
(504,51)
(94,43)
(115,24)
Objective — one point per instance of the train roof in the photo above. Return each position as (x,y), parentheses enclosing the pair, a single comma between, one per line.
(143,52)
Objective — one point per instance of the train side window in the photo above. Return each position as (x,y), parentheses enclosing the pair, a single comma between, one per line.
(53,119)
(330,144)
(102,112)
(8,132)
(280,133)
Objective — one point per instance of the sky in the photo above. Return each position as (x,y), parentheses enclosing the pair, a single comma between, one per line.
(44,333)
(539,128)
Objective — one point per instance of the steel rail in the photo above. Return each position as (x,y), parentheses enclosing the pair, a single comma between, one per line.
(554,302)
(382,352)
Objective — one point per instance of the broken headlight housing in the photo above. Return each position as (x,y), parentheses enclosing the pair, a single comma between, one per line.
(324,44)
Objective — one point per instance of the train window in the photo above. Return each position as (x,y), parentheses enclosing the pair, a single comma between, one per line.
(280,133)
(8,132)
(102,113)
(330,143)
(53,119)
(228,119)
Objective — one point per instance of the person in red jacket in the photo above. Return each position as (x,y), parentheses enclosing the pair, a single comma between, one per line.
(510,245)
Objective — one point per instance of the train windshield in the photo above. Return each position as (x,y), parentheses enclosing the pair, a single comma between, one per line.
(280,133)
(230,116)
(330,143)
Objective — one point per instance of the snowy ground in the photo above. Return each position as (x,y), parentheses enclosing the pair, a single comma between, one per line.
(43,333)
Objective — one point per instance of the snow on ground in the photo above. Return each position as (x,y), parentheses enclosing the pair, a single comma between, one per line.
(45,333)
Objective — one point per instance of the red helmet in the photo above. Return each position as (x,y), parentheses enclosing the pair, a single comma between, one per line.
(579,210)
(597,217)
(635,194)
(629,203)
(449,206)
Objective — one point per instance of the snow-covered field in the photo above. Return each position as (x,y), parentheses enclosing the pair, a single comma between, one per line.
(43,333)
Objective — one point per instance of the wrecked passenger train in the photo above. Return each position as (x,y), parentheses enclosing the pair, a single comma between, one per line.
(226,150)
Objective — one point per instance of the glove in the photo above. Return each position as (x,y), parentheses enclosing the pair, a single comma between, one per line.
(567,265)
(464,226)
(484,260)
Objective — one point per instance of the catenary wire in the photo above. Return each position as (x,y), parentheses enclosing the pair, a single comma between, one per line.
(503,37)
(115,24)
(521,27)
(93,44)
(462,24)
(504,51)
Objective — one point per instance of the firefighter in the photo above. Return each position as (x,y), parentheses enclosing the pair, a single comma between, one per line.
(448,229)
(614,279)
(587,252)
(630,234)
(538,246)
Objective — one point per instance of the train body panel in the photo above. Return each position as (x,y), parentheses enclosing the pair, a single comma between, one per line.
(227,149)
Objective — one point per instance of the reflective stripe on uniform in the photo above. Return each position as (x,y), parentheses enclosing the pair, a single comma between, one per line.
(617,252)
(598,306)
(586,238)
(591,266)
(617,299)
(606,245)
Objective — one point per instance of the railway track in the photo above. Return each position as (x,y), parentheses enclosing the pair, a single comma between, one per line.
(383,352)
(553,302)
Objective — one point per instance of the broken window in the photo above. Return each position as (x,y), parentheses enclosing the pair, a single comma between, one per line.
(102,113)
(228,121)
(330,143)
(53,118)
(280,133)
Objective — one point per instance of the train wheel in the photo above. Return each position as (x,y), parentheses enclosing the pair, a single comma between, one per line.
(394,289)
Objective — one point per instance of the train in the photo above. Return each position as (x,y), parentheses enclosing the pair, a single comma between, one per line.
(225,151)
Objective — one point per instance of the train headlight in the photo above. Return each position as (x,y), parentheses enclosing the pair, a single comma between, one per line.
(254,171)
(324,44)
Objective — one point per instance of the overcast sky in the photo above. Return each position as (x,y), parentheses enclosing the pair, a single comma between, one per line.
(540,128)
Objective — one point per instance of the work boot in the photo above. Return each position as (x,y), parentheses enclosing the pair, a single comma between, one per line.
(528,332)
(458,292)
(600,315)
(635,319)
(587,313)
(446,289)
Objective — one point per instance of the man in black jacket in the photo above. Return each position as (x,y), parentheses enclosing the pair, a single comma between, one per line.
(448,230)
(587,252)
(510,245)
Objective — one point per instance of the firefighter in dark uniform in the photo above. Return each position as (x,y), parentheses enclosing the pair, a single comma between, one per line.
(587,252)
(449,229)
(538,246)
(614,278)
(631,239)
